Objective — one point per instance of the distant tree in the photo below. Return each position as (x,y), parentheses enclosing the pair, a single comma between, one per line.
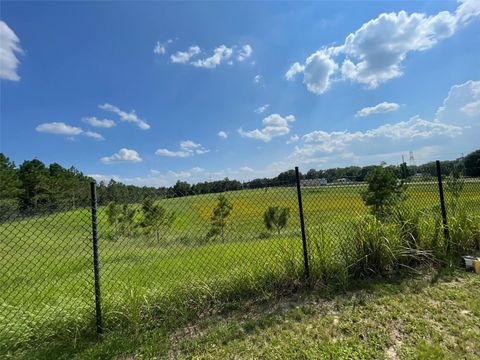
(383,191)
(219,217)
(35,182)
(287,177)
(472,163)
(155,218)
(276,218)
(182,188)
(124,219)
(10,187)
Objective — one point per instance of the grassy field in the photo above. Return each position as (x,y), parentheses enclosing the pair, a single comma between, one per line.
(46,262)
(427,316)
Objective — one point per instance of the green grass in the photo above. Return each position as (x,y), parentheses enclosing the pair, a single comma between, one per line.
(429,316)
(47,276)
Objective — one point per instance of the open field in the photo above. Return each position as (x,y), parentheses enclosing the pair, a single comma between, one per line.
(46,261)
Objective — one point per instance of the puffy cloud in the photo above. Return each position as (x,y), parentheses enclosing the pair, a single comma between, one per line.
(125,116)
(220,54)
(383,107)
(124,155)
(184,57)
(319,67)
(452,127)
(465,97)
(101,123)
(273,125)
(262,108)
(374,53)
(222,134)
(187,148)
(244,52)
(9,48)
(60,128)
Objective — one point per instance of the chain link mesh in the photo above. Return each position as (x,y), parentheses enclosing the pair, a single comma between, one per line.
(161,247)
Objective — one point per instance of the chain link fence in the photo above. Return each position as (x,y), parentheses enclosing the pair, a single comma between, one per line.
(109,263)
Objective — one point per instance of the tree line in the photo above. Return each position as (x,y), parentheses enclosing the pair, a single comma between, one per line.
(34,186)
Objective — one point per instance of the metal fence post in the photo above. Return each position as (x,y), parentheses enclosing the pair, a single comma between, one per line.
(442,205)
(96,264)
(302,224)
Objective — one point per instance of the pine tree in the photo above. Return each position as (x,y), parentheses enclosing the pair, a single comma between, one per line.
(219,217)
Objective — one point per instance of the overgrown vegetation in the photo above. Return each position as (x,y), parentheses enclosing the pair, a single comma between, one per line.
(169,259)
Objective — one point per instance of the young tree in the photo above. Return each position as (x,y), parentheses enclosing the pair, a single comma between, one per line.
(454,186)
(155,218)
(113,213)
(276,218)
(219,217)
(383,191)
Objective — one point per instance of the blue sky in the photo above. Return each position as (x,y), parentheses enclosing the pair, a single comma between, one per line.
(148,93)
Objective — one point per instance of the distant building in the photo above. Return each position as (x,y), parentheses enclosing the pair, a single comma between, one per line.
(343,180)
(313,182)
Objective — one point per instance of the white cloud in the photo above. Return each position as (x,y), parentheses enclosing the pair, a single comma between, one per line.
(187,148)
(189,144)
(9,47)
(161,48)
(319,67)
(93,135)
(222,134)
(452,131)
(274,125)
(374,53)
(125,116)
(245,52)
(262,108)
(179,175)
(101,123)
(246,169)
(257,79)
(293,70)
(60,128)
(383,107)
(123,155)
(169,153)
(197,169)
(220,54)
(294,138)
(183,57)
(464,97)
(472,108)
